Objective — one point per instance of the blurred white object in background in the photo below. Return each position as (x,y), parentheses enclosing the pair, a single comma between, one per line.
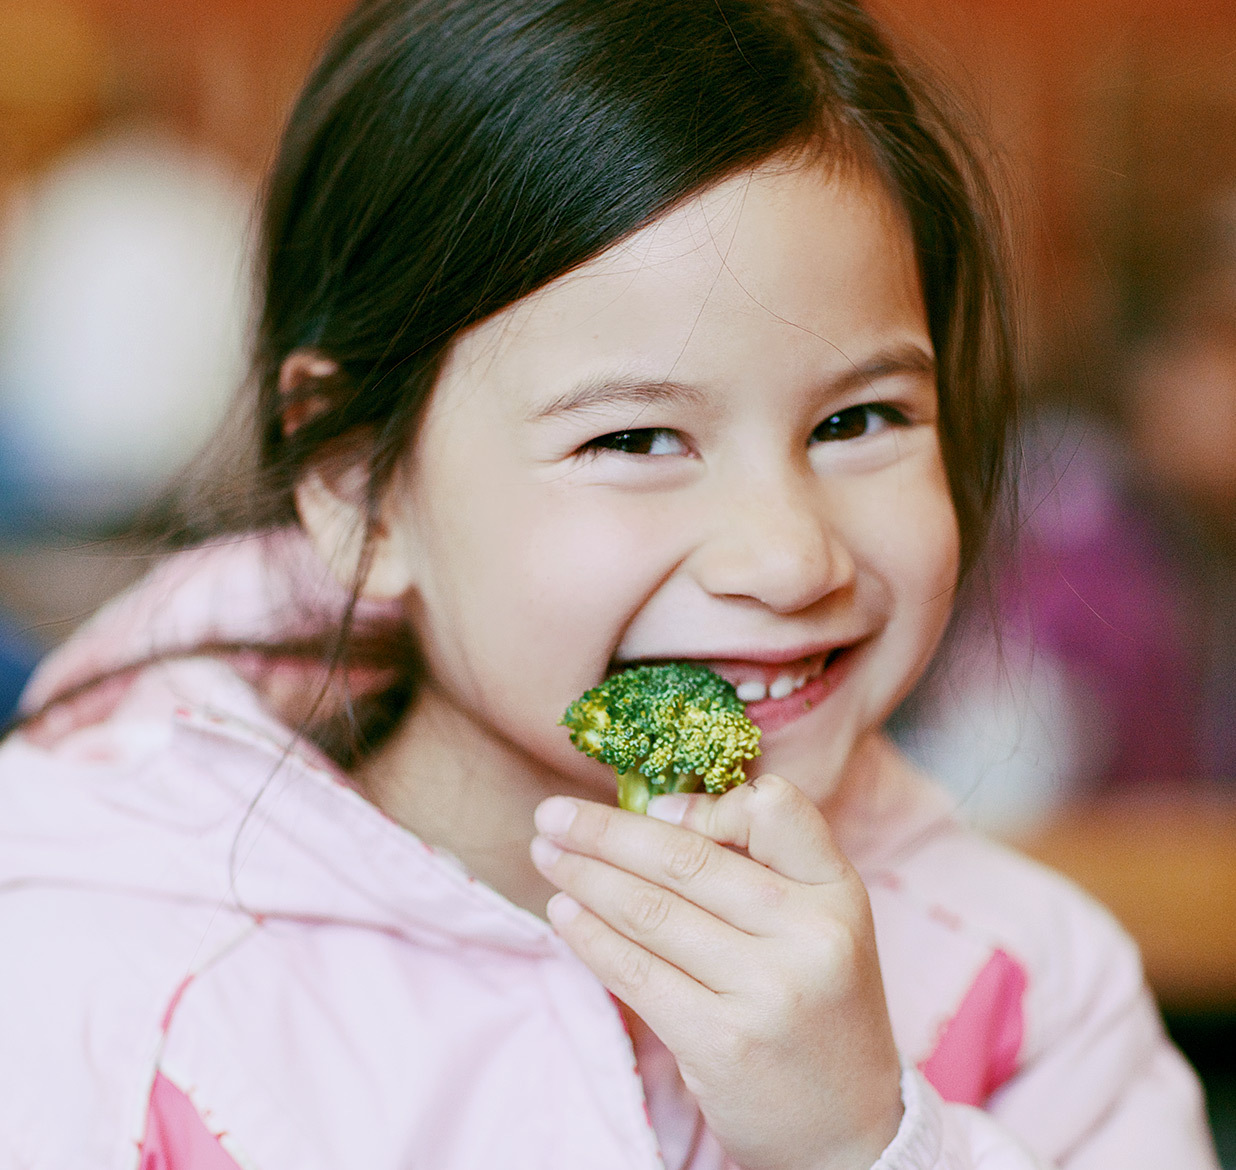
(124,306)
(1010,735)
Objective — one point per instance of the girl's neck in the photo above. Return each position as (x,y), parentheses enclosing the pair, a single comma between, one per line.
(464,792)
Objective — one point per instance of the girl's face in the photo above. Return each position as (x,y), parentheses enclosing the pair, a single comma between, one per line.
(717,441)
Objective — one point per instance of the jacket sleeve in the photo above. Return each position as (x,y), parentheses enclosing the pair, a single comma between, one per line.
(1099,1086)
(1157,1123)
(1112,1091)
(935,1135)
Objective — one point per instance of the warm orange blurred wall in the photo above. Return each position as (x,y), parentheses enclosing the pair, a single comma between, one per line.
(224,70)
(1114,118)
(1116,122)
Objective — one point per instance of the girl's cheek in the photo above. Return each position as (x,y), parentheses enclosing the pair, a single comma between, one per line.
(921,542)
(597,551)
(932,542)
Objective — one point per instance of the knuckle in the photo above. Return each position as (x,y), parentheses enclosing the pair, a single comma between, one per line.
(686,855)
(789,1004)
(771,793)
(840,948)
(769,895)
(785,1003)
(600,830)
(632,968)
(648,909)
(770,786)
(740,1045)
(596,827)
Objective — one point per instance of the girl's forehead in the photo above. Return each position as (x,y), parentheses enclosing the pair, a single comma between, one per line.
(770,256)
(744,220)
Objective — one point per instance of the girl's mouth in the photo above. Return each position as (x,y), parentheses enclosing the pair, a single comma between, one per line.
(777,694)
(756,682)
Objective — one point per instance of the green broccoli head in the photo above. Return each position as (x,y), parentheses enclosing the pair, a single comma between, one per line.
(662,729)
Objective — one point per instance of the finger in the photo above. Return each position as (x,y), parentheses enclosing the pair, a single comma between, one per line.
(772,820)
(657,919)
(732,888)
(655,989)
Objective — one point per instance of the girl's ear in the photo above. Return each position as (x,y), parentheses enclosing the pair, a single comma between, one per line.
(332,497)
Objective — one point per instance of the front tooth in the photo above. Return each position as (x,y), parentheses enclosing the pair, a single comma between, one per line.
(782,686)
(753,691)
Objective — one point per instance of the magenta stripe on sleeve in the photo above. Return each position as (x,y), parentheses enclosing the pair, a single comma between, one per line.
(978,1048)
(176,1136)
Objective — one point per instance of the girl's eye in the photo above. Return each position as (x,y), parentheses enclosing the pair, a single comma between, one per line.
(646,441)
(856,421)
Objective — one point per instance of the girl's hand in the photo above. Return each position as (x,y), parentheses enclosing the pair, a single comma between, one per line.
(758,972)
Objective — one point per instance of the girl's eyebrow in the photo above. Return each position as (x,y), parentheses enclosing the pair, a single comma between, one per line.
(601,393)
(909,358)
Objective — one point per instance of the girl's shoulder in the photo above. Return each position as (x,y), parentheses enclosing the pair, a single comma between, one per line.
(991,961)
(982,890)
(921,855)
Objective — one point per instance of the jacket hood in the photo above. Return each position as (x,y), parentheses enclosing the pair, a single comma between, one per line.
(257,588)
(176,779)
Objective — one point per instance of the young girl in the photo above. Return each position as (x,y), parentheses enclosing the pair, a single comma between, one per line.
(596,332)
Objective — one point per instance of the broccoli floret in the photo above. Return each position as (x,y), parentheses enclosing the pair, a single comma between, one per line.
(662,729)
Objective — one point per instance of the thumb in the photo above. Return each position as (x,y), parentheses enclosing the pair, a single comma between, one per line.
(769,818)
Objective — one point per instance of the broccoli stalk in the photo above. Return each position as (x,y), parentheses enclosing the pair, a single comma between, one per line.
(662,729)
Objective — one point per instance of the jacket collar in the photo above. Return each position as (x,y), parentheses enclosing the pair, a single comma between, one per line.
(186,785)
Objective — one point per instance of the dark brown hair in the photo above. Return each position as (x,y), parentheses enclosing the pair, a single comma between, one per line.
(448,157)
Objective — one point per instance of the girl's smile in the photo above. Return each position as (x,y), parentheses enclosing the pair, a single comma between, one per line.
(718,440)
(778,688)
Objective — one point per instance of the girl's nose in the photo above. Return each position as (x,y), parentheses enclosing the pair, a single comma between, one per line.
(774,544)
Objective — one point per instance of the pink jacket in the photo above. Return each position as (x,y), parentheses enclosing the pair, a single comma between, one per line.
(216,955)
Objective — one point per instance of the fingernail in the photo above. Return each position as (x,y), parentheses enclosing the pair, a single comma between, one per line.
(554,816)
(561,910)
(544,852)
(668,808)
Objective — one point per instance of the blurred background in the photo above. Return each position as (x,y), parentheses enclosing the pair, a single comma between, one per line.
(1093,722)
